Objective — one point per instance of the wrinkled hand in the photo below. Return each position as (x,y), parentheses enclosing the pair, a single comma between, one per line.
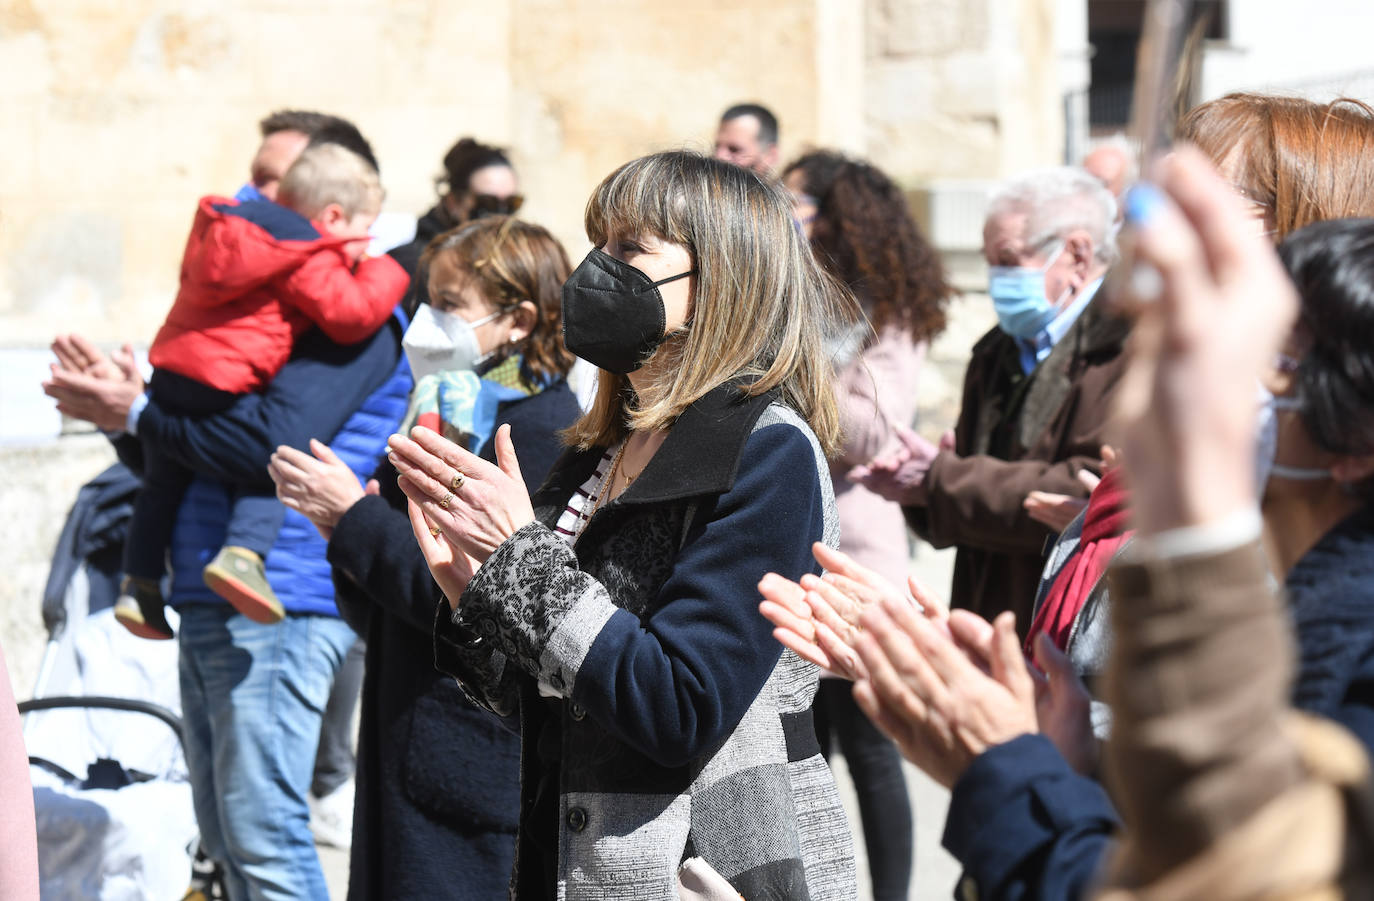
(1063,707)
(89,385)
(1224,310)
(925,692)
(451,568)
(901,474)
(321,488)
(491,503)
(819,618)
(1058,510)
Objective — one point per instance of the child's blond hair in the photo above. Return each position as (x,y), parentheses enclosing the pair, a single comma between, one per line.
(330,173)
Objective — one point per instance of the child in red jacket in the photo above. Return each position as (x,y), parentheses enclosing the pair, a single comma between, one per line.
(254,277)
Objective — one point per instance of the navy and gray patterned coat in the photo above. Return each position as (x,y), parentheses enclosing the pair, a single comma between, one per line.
(681,727)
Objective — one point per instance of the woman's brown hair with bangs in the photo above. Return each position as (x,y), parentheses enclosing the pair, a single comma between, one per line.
(514,261)
(761,306)
(1304,161)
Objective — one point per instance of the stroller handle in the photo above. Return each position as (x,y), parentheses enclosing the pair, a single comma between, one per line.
(95,701)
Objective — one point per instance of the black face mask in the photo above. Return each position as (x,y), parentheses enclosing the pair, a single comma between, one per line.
(613,315)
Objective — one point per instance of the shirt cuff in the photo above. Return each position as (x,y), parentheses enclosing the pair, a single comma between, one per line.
(135,410)
(1228,533)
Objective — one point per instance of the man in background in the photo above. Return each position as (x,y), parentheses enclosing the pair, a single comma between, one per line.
(748,137)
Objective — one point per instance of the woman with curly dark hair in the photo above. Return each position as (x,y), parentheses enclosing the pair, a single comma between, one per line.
(861,230)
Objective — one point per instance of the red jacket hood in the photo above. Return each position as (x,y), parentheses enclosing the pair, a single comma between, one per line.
(235,248)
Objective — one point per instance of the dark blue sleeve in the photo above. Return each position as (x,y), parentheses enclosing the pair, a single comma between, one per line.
(1025,825)
(675,685)
(374,549)
(312,397)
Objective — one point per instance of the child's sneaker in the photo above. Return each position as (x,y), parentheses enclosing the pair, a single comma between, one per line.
(237,575)
(139,609)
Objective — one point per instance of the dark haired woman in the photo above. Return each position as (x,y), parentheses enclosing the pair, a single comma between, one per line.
(861,230)
(478,181)
(438,780)
(1318,501)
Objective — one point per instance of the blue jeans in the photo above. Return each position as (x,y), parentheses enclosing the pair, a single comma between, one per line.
(252,697)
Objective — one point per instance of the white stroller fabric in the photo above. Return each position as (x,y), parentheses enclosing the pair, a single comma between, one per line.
(134,842)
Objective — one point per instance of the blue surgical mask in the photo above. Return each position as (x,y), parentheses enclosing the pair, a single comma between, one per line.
(1268,445)
(1018,296)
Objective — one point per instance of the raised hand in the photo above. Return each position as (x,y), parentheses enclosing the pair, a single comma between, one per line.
(321,487)
(452,569)
(476,505)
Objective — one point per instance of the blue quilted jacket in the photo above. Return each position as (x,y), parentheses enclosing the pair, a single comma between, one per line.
(296,565)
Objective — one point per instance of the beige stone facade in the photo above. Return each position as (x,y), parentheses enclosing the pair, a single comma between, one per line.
(119,114)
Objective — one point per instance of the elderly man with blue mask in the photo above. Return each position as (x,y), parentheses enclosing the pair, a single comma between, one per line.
(1036,393)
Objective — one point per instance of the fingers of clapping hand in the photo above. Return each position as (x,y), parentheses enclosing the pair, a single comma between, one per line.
(854,579)
(912,734)
(840,651)
(932,607)
(432,476)
(128,366)
(325,453)
(1057,510)
(76,353)
(1008,663)
(784,605)
(891,633)
(434,547)
(1056,666)
(912,444)
(877,648)
(975,635)
(505,454)
(430,453)
(288,467)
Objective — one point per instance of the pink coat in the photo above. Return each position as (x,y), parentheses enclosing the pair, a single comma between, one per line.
(875,391)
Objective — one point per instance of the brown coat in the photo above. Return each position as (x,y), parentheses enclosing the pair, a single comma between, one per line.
(1018,433)
(1224,792)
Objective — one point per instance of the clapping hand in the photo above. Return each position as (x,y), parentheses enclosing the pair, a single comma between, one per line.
(475,506)
(900,475)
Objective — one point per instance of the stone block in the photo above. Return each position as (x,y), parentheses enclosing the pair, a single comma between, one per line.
(926,28)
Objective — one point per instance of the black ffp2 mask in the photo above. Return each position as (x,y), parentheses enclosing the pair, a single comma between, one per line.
(613,314)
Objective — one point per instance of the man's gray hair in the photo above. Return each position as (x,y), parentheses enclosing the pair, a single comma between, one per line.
(1056,201)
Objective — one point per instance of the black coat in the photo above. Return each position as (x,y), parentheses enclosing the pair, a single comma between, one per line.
(1331,593)
(427,228)
(438,781)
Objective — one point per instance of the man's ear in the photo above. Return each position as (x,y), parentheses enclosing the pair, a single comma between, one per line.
(526,317)
(1080,245)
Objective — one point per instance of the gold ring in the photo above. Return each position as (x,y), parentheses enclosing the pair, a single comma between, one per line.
(457,481)
(434,530)
(448,499)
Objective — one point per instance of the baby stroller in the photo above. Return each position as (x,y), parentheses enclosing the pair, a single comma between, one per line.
(111,793)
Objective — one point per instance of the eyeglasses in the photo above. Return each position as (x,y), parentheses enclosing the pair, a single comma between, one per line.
(491,205)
